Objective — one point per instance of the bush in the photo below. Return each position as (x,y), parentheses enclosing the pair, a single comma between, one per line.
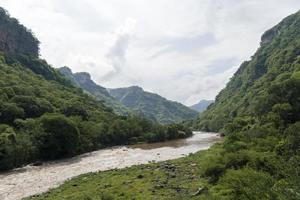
(9,112)
(214,170)
(245,184)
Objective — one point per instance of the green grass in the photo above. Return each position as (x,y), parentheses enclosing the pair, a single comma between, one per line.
(176,179)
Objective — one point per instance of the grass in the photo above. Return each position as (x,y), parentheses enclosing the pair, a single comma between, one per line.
(176,179)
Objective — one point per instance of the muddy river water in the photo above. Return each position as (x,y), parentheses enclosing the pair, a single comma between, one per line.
(31,180)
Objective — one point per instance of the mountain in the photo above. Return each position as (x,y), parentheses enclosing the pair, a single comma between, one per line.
(43,116)
(202,105)
(152,105)
(84,81)
(265,84)
(259,114)
(132,100)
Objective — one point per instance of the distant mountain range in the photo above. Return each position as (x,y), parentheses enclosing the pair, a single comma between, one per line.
(84,81)
(152,105)
(133,100)
(202,105)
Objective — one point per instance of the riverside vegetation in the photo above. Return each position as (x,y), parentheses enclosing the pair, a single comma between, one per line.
(259,114)
(43,116)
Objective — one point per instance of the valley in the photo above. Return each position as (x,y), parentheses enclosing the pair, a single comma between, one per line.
(63,136)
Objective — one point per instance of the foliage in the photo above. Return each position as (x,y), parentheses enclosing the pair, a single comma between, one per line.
(60,136)
(84,81)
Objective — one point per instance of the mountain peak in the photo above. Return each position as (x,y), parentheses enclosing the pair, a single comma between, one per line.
(270,34)
(65,70)
(136,88)
(201,105)
(84,76)
(16,38)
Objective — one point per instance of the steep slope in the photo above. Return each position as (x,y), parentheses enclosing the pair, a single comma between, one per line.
(202,105)
(259,112)
(152,105)
(84,81)
(44,116)
(265,83)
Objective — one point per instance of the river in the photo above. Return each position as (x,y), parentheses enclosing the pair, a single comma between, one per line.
(30,180)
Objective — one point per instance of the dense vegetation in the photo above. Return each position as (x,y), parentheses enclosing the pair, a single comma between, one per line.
(152,106)
(43,116)
(259,113)
(84,81)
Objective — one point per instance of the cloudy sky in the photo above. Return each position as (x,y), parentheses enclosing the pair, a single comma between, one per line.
(185,50)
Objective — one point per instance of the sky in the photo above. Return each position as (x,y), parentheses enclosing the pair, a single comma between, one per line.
(184,50)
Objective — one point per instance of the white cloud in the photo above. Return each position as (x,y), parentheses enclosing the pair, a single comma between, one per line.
(183,50)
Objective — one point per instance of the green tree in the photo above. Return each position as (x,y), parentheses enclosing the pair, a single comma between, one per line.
(60,137)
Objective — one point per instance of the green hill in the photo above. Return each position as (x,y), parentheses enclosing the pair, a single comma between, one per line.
(44,116)
(84,81)
(152,106)
(264,87)
(259,112)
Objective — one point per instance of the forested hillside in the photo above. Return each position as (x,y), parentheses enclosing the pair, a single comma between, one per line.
(265,87)
(152,106)
(259,112)
(43,116)
(84,81)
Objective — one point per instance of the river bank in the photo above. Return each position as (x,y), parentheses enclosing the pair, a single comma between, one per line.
(32,180)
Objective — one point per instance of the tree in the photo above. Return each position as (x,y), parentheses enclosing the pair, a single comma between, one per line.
(7,147)
(9,112)
(60,138)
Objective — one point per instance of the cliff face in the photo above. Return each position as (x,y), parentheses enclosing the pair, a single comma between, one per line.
(15,38)
(85,81)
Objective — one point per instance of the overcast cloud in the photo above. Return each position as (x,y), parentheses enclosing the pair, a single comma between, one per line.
(185,50)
